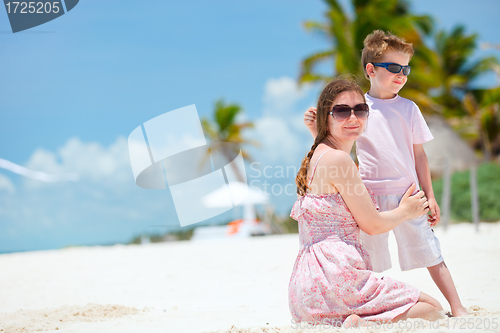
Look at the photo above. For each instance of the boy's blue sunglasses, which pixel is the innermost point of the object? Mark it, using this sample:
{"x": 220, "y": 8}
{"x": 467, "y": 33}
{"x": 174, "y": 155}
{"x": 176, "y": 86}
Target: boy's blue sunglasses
{"x": 392, "y": 67}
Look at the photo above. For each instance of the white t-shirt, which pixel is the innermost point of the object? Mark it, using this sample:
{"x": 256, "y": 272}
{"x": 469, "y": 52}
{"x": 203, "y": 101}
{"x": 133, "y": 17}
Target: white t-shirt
{"x": 385, "y": 149}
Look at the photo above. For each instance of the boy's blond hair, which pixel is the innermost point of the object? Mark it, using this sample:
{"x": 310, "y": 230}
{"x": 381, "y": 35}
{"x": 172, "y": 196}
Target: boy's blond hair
{"x": 378, "y": 43}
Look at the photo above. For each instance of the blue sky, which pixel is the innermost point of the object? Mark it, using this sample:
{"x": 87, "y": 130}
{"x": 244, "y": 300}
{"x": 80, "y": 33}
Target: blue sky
{"x": 74, "y": 88}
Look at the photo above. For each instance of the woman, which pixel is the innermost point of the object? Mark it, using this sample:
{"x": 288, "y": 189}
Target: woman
{"x": 332, "y": 279}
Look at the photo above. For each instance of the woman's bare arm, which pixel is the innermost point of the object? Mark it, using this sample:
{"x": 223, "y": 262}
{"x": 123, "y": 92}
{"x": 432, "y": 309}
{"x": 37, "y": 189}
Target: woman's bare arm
{"x": 344, "y": 175}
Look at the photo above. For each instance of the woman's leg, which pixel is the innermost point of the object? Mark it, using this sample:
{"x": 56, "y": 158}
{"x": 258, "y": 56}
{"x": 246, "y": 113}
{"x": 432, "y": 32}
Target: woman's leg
{"x": 356, "y": 321}
{"x": 427, "y": 308}
{"x": 353, "y": 321}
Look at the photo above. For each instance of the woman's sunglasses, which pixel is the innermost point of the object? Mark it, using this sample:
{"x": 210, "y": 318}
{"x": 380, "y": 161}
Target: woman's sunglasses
{"x": 343, "y": 112}
{"x": 392, "y": 67}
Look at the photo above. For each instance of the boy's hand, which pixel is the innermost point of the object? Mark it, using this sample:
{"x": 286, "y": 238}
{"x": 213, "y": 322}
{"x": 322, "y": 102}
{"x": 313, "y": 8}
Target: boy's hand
{"x": 435, "y": 212}
{"x": 310, "y": 119}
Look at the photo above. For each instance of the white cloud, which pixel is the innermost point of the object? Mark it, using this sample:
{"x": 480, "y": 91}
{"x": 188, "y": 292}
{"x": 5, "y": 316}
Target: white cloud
{"x": 90, "y": 161}
{"x": 6, "y": 185}
{"x": 282, "y": 94}
{"x": 280, "y": 144}
{"x": 45, "y": 161}
{"x": 283, "y": 136}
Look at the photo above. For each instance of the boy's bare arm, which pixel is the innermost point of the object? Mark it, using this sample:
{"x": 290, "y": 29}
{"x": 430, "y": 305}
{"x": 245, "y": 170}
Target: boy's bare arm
{"x": 310, "y": 121}
{"x": 424, "y": 178}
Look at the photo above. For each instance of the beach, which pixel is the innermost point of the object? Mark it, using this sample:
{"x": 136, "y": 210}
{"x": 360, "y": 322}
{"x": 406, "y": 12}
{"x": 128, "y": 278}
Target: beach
{"x": 227, "y": 285}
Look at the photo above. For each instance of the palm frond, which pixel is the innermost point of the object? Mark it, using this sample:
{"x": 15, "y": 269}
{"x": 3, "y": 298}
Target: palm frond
{"x": 480, "y": 66}
{"x": 208, "y": 128}
{"x": 316, "y": 27}
{"x": 308, "y": 65}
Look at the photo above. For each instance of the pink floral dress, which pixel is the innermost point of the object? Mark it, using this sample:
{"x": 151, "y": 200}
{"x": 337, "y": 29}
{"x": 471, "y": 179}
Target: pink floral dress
{"x": 332, "y": 277}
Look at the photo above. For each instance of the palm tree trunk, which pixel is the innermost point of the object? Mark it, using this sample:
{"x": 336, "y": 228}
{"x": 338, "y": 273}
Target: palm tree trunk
{"x": 486, "y": 144}
{"x": 236, "y": 171}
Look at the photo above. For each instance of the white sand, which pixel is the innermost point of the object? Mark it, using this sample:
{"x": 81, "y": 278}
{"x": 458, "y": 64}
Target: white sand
{"x": 228, "y": 286}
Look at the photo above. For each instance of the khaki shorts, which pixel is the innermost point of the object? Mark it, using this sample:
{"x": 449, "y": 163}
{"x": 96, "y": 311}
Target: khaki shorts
{"x": 418, "y": 246}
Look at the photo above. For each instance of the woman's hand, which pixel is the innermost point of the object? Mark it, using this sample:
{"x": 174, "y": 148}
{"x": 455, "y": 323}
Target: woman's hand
{"x": 414, "y": 205}
{"x": 310, "y": 118}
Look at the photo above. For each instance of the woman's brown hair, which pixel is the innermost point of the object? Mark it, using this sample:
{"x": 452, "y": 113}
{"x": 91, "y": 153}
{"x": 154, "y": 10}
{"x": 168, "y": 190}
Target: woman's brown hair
{"x": 325, "y": 104}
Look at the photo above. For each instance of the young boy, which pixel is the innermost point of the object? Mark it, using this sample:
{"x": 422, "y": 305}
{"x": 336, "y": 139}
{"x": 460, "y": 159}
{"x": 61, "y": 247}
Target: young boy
{"x": 391, "y": 158}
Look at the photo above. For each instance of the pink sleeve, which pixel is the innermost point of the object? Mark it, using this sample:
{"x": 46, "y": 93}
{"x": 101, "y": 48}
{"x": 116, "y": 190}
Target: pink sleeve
{"x": 297, "y": 209}
{"x": 421, "y": 132}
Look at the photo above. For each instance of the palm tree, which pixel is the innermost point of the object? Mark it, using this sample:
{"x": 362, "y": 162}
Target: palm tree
{"x": 346, "y": 34}
{"x": 474, "y": 112}
{"x": 483, "y": 106}
{"x": 456, "y": 70}
{"x": 225, "y": 128}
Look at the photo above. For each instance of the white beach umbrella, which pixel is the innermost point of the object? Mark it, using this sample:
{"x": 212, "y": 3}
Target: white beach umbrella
{"x": 241, "y": 194}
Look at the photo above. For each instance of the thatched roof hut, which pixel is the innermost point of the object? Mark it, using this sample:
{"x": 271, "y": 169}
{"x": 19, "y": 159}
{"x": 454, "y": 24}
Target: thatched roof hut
{"x": 447, "y": 146}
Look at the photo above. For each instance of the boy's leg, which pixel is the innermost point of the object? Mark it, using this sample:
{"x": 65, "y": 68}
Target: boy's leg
{"x": 377, "y": 246}
{"x": 418, "y": 247}
{"x": 442, "y": 278}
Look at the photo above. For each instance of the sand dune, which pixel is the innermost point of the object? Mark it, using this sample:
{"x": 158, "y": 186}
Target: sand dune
{"x": 214, "y": 286}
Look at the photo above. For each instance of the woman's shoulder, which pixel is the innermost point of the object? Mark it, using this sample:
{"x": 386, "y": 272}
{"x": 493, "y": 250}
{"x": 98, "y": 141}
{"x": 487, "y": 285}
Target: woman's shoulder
{"x": 337, "y": 157}
{"x": 333, "y": 163}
